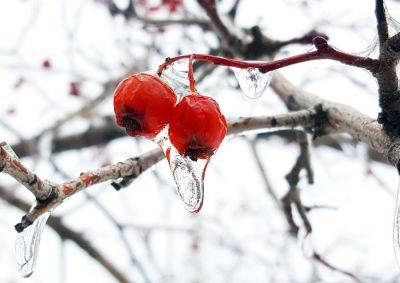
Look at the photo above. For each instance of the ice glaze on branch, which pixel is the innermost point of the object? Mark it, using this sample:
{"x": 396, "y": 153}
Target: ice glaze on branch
{"x": 133, "y": 167}
{"x": 12, "y": 166}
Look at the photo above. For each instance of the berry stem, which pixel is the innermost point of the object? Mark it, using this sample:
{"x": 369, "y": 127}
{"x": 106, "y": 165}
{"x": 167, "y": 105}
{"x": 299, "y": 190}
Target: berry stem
{"x": 324, "y": 51}
{"x": 192, "y": 82}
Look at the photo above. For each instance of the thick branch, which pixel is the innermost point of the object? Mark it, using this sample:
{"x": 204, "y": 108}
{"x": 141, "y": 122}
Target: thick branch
{"x": 381, "y": 22}
{"x": 225, "y": 34}
{"x": 133, "y": 167}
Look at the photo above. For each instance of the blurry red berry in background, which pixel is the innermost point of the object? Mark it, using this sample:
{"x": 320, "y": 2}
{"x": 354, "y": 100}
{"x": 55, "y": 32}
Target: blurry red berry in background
{"x": 197, "y": 126}
{"x": 143, "y": 105}
{"x": 74, "y": 89}
{"x": 46, "y": 64}
{"x": 171, "y": 5}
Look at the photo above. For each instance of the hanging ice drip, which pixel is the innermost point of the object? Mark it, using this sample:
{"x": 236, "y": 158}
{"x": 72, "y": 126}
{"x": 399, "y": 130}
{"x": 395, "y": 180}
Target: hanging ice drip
{"x": 188, "y": 174}
{"x": 27, "y": 246}
{"x": 252, "y": 81}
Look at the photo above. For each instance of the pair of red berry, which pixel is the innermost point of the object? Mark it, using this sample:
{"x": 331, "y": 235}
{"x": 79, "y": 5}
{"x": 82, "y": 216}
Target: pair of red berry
{"x": 144, "y": 105}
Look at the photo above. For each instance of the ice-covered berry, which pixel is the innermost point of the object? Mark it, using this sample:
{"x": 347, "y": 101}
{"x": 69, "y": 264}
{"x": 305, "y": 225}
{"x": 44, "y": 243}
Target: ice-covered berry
{"x": 143, "y": 105}
{"x": 197, "y": 126}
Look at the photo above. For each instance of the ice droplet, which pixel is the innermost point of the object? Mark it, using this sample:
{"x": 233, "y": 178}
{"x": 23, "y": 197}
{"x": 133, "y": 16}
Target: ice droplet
{"x": 188, "y": 174}
{"x": 396, "y": 228}
{"x": 27, "y": 246}
{"x": 252, "y": 81}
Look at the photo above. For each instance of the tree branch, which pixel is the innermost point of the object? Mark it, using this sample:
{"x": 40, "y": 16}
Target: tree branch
{"x": 133, "y": 167}
{"x": 341, "y": 119}
{"x": 382, "y": 26}
{"x": 324, "y": 51}
{"x": 12, "y": 166}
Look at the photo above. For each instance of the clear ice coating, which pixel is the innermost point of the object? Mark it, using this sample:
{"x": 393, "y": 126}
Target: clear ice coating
{"x": 189, "y": 179}
{"x": 9, "y": 150}
{"x": 188, "y": 174}
{"x": 396, "y": 228}
{"x": 371, "y": 50}
{"x": 27, "y": 246}
{"x": 252, "y": 81}
{"x": 176, "y": 76}
{"x": 393, "y": 25}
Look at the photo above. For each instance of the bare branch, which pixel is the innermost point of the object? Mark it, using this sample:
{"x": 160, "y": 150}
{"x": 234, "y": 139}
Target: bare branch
{"x": 302, "y": 162}
{"x": 227, "y": 37}
{"x": 133, "y": 167}
{"x": 341, "y": 119}
{"x": 291, "y": 120}
{"x": 322, "y": 261}
{"x": 167, "y": 22}
{"x": 130, "y": 167}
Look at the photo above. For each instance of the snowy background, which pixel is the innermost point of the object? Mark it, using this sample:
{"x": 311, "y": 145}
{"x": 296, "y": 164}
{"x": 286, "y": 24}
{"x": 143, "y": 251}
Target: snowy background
{"x": 240, "y": 235}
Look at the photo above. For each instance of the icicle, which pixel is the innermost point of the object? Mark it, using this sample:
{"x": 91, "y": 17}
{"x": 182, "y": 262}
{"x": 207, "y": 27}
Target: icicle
{"x": 27, "y": 246}
{"x": 252, "y": 81}
{"x": 188, "y": 174}
{"x": 189, "y": 179}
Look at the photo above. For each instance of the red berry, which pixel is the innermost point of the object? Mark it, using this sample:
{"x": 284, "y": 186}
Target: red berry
{"x": 74, "y": 88}
{"x": 46, "y": 64}
{"x": 172, "y": 5}
{"x": 143, "y": 105}
{"x": 197, "y": 126}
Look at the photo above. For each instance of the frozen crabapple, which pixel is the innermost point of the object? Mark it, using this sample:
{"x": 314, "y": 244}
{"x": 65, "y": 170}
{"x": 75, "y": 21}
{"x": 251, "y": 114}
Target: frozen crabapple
{"x": 143, "y": 104}
{"x": 197, "y": 126}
